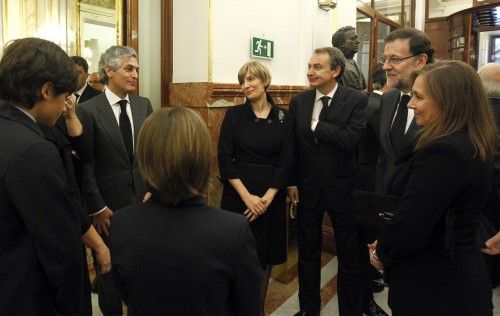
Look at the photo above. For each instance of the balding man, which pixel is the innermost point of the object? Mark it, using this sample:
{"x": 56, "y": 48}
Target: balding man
{"x": 490, "y": 76}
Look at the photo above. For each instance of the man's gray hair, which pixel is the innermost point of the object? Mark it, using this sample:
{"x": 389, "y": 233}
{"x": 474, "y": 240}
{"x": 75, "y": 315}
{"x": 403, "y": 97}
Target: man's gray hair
{"x": 490, "y": 76}
{"x": 113, "y": 58}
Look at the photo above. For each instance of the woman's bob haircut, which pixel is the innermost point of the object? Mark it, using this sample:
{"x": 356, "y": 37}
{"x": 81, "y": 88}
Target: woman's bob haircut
{"x": 174, "y": 154}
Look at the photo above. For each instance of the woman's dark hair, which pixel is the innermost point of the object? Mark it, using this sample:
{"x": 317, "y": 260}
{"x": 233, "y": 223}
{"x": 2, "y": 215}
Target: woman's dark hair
{"x": 27, "y": 64}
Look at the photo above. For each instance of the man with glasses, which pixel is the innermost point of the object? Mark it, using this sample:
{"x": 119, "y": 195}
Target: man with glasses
{"x": 405, "y": 49}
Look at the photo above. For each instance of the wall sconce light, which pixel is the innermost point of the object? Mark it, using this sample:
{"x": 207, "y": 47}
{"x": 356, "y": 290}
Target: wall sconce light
{"x": 327, "y": 4}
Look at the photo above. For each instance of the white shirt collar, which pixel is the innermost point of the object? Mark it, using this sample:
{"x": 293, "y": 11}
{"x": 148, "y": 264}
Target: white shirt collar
{"x": 80, "y": 92}
{"x": 26, "y": 112}
{"x": 330, "y": 94}
{"x": 113, "y": 98}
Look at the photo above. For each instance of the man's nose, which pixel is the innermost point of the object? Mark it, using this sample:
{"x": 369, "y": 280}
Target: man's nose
{"x": 386, "y": 65}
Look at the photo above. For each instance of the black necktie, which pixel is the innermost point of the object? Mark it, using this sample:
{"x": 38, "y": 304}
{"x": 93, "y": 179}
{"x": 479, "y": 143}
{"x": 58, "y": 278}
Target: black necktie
{"x": 324, "y": 100}
{"x": 397, "y": 133}
{"x": 126, "y": 129}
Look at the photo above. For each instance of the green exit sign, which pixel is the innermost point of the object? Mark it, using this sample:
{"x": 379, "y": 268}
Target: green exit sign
{"x": 262, "y": 48}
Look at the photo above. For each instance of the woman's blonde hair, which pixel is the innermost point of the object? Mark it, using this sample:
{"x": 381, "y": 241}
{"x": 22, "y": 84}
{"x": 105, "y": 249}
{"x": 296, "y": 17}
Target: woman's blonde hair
{"x": 457, "y": 90}
{"x": 174, "y": 153}
{"x": 255, "y": 69}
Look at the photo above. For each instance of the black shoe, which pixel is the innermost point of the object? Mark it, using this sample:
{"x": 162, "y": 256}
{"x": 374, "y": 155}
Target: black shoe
{"x": 372, "y": 309}
{"x": 377, "y": 285}
{"x": 300, "y": 313}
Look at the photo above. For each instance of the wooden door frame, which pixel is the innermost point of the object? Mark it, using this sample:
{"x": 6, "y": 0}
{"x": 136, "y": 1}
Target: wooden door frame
{"x": 375, "y": 17}
{"x": 130, "y": 20}
{"x": 166, "y": 50}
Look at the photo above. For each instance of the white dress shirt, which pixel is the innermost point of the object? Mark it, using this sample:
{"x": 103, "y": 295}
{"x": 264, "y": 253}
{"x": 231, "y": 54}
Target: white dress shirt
{"x": 318, "y": 106}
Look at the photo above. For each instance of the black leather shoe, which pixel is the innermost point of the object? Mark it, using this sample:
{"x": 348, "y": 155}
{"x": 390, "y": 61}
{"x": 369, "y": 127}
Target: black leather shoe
{"x": 377, "y": 286}
{"x": 300, "y": 313}
{"x": 372, "y": 309}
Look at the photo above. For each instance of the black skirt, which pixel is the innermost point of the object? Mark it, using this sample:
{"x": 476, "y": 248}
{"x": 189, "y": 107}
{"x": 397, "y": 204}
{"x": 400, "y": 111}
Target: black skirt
{"x": 269, "y": 230}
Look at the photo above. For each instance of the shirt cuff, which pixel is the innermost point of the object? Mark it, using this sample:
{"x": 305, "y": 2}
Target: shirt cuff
{"x": 99, "y": 212}
{"x": 313, "y": 124}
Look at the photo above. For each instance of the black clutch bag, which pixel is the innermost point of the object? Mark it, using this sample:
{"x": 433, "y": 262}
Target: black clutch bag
{"x": 372, "y": 209}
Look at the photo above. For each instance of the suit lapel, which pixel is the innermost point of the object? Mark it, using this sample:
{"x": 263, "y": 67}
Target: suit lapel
{"x": 138, "y": 117}
{"x": 309, "y": 104}
{"x": 336, "y": 105}
{"x": 109, "y": 124}
{"x": 386, "y": 120}
{"x": 410, "y": 133}
{"x": 309, "y": 99}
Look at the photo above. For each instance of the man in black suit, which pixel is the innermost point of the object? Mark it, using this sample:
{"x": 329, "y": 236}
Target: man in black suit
{"x": 329, "y": 120}
{"x": 365, "y": 181}
{"x": 111, "y": 179}
{"x": 490, "y": 76}
{"x": 405, "y": 49}
{"x": 84, "y": 91}
{"x": 41, "y": 269}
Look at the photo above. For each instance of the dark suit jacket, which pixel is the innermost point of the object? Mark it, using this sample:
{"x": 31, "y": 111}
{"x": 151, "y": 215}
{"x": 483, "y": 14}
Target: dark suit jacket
{"x": 387, "y": 156}
{"x": 40, "y": 250}
{"x": 429, "y": 249}
{"x": 492, "y": 210}
{"x": 109, "y": 177}
{"x": 191, "y": 259}
{"x": 326, "y": 158}
{"x": 88, "y": 94}
{"x": 369, "y": 145}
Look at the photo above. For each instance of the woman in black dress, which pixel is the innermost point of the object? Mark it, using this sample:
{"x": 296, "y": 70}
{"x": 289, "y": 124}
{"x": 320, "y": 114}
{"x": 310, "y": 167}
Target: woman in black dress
{"x": 255, "y": 154}
{"x": 429, "y": 247}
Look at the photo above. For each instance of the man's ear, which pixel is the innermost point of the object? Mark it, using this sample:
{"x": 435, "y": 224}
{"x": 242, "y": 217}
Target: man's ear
{"x": 108, "y": 71}
{"x": 336, "y": 72}
{"x": 421, "y": 60}
{"x": 46, "y": 91}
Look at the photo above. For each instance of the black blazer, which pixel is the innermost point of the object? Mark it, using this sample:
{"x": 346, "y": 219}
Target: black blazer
{"x": 429, "y": 248}
{"x": 88, "y": 94}
{"x": 190, "y": 259}
{"x": 387, "y": 156}
{"x": 492, "y": 209}
{"x": 369, "y": 145}
{"x": 325, "y": 160}
{"x": 109, "y": 177}
{"x": 41, "y": 268}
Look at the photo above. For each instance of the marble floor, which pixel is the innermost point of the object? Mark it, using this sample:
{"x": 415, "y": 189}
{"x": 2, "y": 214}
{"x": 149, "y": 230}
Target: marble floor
{"x": 282, "y": 298}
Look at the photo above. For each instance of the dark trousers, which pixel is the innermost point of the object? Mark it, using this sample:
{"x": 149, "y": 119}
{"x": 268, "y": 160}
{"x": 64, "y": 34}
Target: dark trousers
{"x": 110, "y": 300}
{"x": 309, "y": 220}
{"x": 367, "y": 235}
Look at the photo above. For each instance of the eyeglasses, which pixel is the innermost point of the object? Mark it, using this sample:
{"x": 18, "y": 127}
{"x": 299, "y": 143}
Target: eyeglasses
{"x": 393, "y": 60}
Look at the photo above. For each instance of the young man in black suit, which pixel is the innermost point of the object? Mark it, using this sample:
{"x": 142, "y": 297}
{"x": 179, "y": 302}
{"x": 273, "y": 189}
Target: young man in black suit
{"x": 405, "y": 50}
{"x": 111, "y": 177}
{"x": 41, "y": 270}
{"x": 84, "y": 91}
{"x": 329, "y": 120}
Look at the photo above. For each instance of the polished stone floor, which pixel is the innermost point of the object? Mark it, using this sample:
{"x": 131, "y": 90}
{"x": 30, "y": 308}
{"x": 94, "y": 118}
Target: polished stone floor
{"x": 282, "y": 298}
